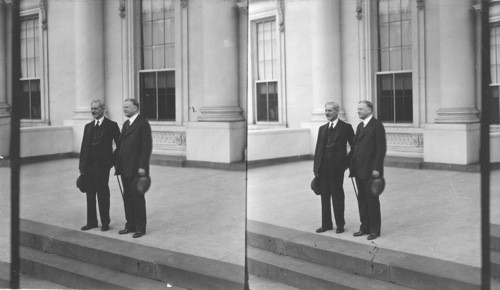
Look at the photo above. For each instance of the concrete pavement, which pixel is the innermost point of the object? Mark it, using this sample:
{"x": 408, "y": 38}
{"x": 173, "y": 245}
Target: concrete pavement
{"x": 426, "y": 212}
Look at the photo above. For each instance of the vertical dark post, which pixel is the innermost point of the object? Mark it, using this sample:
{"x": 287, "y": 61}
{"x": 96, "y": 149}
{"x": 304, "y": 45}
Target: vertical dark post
{"x": 484, "y": 157}
{"x": 15, "y": 145}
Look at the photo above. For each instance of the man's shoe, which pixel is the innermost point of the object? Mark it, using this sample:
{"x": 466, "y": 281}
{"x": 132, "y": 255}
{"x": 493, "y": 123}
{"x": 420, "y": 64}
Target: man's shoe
{"x": 137, "y": 235}
{"x": 322, "y": 230}
{"x": 87, "y": 227}
{"x": 104, "y": 228}
{"x": 372, "y": 237}
{"x": 124, "y": 231}
{"x": 360, "y": 233}
{"x": 339, "y": 230}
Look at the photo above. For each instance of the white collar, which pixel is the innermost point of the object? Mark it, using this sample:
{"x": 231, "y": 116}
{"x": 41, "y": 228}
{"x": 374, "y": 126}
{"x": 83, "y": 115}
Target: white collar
{"x": 132, "y": 119}
{"x": 98, "y": 121}
{"x": 334, "y": 123}
{"x": 366, "y": 120}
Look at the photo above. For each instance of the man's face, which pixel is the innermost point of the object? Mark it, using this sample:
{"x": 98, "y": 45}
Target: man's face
{"x": 331, "y": 113}
{"x": 364, "y": 111}
{"x": 96, "y": 110}
{"x": 129, "y": 109}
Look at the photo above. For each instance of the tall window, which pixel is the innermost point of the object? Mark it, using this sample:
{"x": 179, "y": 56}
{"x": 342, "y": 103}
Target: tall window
{"x": 30, "y": 69}
{"x": 394, "y": 76}
{"x": 157, "y": 75}
{"x": 495, "y": 73}
{"x": 267, "y": 74}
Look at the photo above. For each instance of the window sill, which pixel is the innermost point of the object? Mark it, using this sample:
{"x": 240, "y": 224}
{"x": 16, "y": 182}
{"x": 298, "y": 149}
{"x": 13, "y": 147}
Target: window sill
{"x": 263, "y": 126}
{"x": 34, "y": 123}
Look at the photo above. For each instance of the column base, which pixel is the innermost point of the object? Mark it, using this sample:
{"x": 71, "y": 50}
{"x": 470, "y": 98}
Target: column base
{"x": 452, "y": 143}
{"x": 4, "y": 110}
{"x": 457, "y": 115}
{"x": 4, "y": 136}
{"x": 221, "y": 142}
{"x": 220, "y": 114}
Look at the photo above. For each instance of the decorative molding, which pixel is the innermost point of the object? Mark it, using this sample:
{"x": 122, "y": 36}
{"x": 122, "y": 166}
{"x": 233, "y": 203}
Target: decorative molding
{"x": 169, "y": 138}
{"x": 281, "y": 14}
{"x": 43, "y": 13}
{"x": 183, "y": 3}
{"x": 122, "y": 8}
{"x": 405, "y": 139}
{"x": 359, "y": 9}
{"x": 243, "y": 6}
{"x": 420, "y": 4}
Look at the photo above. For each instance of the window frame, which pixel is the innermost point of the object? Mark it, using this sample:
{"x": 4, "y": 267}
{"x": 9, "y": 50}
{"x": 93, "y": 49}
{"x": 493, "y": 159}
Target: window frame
{"x": 32, "y": 10}
{"x": 254, "y": 20}
{"x": 417, "y": 59}
{"x": 495, "y": 120}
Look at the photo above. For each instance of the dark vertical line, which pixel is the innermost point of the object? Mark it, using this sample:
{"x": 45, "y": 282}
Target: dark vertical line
{"x": 484, "y": 156}
{"x": 15, "y": 146}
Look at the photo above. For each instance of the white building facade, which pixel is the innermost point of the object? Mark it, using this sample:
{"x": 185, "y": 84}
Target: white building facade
{"x": 417, "y": 61}
{"x": 185, "y": 61}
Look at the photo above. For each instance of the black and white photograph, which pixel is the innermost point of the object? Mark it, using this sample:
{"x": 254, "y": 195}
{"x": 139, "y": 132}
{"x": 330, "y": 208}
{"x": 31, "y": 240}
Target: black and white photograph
{"x": 250, "y": 144}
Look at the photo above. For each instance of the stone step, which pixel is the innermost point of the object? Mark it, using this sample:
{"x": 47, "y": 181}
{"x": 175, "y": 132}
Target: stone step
{"x": 495, "y": 264}
{"x": 168, "y": 160}
{"x": 382, "y": 264}
{"x": 25, "y": 281}
{"x": 77, "y": 274}
{"x": 495, "y": 237}
{"x": 176, "y": 268}
{"x": 306, "y": 275}
{"x": 258, "y": 282}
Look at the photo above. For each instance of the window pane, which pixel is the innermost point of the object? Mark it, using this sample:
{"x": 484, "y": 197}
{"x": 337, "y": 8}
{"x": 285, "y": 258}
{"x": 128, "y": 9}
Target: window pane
{"x": 273, "y": 101}
{"x": 157, "y": 8}
{"x": 158, "y": 32}
{"x": 147, "y": 58}
{"x": 394, "y": 11}
{"x": 25, "y": 100}
{"x": 383, "y": 11}
{"x": 406, "y": 57}
{"x": 395, "y": 34}
{"x": 169, "y": 31}
{"x": 35, "y": 99}
{"x": 146, "y": 10}
{"x": 385, "y": 102}
{"x": 266, "y": 51}
{"x": 147, "y": 34}
{"x": 403, "y": 95}
{"x": 166, "y": 96}
{"x": 158, "y": 56}
{"x": 262, "y": 102}
{"x": 170, "y": 56}
{"x": 148, "y": 95}
{"x": 383, "y": 35}
{"x": 395, "y": 59}
{"x": 406, "y": 33}
{"x": 494, "y": 106}
{"x": 405, "y": 10}
{"x": 31, "y": 67}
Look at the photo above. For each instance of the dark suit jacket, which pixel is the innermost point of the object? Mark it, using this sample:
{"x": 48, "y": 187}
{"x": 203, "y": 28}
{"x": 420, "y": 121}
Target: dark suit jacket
{"x": 135, "y": 148}
{"x": 368, "y": 151}
{"x": 103, "y": 150}
{"x": 343, "y": 135}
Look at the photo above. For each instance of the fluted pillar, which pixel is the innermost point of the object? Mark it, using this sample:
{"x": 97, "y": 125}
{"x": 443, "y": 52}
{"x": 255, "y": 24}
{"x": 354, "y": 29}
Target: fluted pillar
{"x": 220, "y": 62}
{"x": 326, "y": 57}
{"x": 89, "y": 55}
{"x": 4, "y": 64}
{"x": 457, "y": 63}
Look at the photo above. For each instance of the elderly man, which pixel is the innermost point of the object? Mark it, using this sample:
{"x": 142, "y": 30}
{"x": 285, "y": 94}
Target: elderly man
{"x": 133, "y": 156}
{"x": 330, "y": 162}
{"x": 96, "y": 159}
{"x": 368, "y": 153}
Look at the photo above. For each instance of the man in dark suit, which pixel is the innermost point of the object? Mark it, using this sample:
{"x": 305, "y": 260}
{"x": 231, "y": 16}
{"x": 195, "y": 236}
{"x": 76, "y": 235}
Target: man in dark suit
{"x": 330, "y": 162}
{"x": 367, "y": 161}
{"x": 96, "y": 159}
{"x": 133, "y": 156}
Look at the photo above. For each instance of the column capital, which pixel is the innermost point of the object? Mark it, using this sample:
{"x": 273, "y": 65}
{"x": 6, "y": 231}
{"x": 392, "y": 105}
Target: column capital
{"x": 220, "y": 114}
{"x": 457, "y": 115}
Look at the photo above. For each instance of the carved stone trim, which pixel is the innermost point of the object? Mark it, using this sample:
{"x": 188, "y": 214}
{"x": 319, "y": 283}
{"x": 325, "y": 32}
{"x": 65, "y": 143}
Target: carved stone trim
{"x": 169, "y": 138}
{"x": 420, "y": 4}
{"x": 281, "y": 14}
{"x": 359, "y": 9}
{"x": 183, "y": 3}
{"x": 43, "y": 13}
{"x": 122, "y": 8}
{"x": 405, "y": 139}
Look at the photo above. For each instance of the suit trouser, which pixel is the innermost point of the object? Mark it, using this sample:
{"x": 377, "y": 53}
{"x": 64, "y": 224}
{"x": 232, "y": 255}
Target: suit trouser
{"x": 97, "y": 182}
{"x": 332, "y": 188}
{"x": 369, "y": 208}
{"x": 135, "y": 206}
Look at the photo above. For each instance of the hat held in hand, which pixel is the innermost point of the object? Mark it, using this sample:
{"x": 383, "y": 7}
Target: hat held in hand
{"x": 80, "y": 183}
{"x": 376, "y": 185}
{"x": 315, "y": 185}
{"x": 142, "y": 184}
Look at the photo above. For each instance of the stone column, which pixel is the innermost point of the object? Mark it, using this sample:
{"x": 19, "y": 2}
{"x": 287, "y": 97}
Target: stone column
{"x": 457, "y": 61}
{"x": 220, "y": 62}
{"x": 89, "y": 63}
{"x": 219, "y": 134}
{"x": 89, "y": 55}
{"x": 5, "y": 64}
{"x": 454, "y": 137}
{"x": 326, "y": 57}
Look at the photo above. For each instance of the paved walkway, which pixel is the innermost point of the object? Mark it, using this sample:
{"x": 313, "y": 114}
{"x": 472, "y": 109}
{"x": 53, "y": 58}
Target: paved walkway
{"x": 190, "y": 210}
{"x": 427, "y": 212}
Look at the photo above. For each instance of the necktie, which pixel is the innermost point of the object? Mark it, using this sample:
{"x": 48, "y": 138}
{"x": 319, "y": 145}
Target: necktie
{"x": 330, "y": 136}
{"x": 126, "y": 125}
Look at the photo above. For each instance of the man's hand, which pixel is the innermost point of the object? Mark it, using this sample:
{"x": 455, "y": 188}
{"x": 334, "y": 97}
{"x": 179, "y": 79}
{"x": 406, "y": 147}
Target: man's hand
{"x": 142, "y": 172}
{"x": 375, "y": 174}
